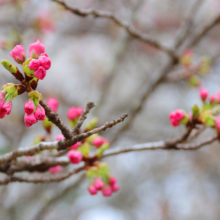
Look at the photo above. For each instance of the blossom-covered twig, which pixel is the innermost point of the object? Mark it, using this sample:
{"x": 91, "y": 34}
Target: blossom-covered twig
{"x": 131, "y": 30}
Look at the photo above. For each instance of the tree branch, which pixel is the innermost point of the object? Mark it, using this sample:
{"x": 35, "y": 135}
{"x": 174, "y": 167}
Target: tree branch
{"x": 131, "y": 30}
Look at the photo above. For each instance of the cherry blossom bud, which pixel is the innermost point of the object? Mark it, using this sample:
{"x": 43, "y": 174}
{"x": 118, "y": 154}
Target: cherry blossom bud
{"x": 53, "y": 103}
{"x": 98, "y": 142}
{"x": 213, "y": 99}
{"x": 18, "y": 53}
{"x": 2, "y": 98}
{"x": 29, "y": 120}
{"x": 98, "y": 183}
{"x": 44, "y": 54}
{"x": 75, "y": 146}
{"x": 203, "y": 94}
{"x": 40, "y": 113}
{"x": 40, "y": 73}
{"x": 55, "y": 169}
{"x": 176, "y": 116}
{"x": 75, "y": 156}
{"x": 3, "y": 112}
{"x": 112, "y": 180}
{"x": 29, "y": 107}
{"x": 45, "y": 62}
{"x": 74, "y": 112}
{"x": 92, "y": 190}
{"x": 106, "y": 190}
{"x": 115, "y": 187}
{"x": 10, "y": 67}
{"x": 36, "y": 49}
{"x": 7, "y": 106}
{"x": 34, "y": 64}
{"x": 59, "y": 137}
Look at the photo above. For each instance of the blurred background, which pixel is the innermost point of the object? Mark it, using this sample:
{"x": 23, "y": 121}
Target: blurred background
{"x": 93, "y": 59}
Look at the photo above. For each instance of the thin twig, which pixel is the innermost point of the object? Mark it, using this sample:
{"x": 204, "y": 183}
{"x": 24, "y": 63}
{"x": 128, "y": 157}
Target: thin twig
{"x": 131, "y": 30}
{"x": 83, "y": 117}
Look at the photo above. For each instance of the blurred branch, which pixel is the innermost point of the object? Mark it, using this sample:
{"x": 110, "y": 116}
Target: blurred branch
{"x": 57, "y": 196}
{"x": 131, "y": 30}
{"x": 187, "y": 23}
{"x": 160, "y": 145}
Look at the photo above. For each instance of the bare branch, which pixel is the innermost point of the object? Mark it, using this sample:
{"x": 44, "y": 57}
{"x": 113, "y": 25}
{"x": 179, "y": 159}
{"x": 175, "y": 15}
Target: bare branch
{"x": 83, "y": 117}
{"x": 131, "y": 30}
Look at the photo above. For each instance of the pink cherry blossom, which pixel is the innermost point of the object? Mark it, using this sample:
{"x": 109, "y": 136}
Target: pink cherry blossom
{"x": 34, "y": 64}
{"x": 40, "y": 113}
{"x": 29, "y": 120}
{"x": 29, "y": 106}
{"x": 7, "y": 106}
{"x": 45, "y": 62}
{"x": 36, "y": 49}
{"x": 92, "y": 190}
{"x": 115, "y": 187}
{"x": 18, "y": 53}
{"x": 75, "y": 156}
{"x": 98, "y": 183}
{"x": 112, "y": 180}
{"x": 55, "y": 169}
{"x": 59, "y": 137}
{"x": 98, "y": 141}
{"x": 106, "y": 190}
{"x": 203, "y": 94}
{"x": 74, "y": 112}
{"x": 176, "y": 116}
{"x": 40, "y": 73}
{"x": 53, "y": 103}
{"x": 75, "y": 146}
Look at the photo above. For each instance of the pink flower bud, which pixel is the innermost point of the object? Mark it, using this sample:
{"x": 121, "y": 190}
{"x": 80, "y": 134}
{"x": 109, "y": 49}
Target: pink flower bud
{"x": 59, "y": 137}
{"x": 29, "y": 120}
{"x": 2, "y": 98}
{"x": 112, "y": 180}
{"x": 18, "y": 53}
{"x": 7, "y": 107}
{"x": 29, "y": 107}
{"x": 212, "y": 99}
{"x": 74, "y": 112}
{"x": 106, "y": 190}
{"x": 40, "y": 73}
{"x": 40, "y": 113}
{"x": 98, "y": 183}
{"x": 44, "y": 54}
{"x": 75, "y": 146}
{"x": 92, "y": 190}
{"x": 3, "y": 112}
{"x": 53, "y": 103}
{"x": 115, "y": 187}
{"x": 34, "y": 64}
{"x": 98, "y": 141}
{"x": 36, "y": 49}
{"x": 45, "y": 62}
{"x": 75, "y": 156}
{"x": 55, "y": 169}
{"x": 203, "y": 94}
{"x": 176, "y": 116}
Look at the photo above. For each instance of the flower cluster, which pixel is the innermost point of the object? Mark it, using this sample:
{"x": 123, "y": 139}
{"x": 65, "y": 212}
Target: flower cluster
{"x": 101, "y": 180}
{"x": 206, "y": 114}
{"x": 194, "y": 69}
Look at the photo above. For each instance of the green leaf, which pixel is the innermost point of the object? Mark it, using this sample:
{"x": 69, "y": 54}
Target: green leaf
{"x": 195, "y": 111}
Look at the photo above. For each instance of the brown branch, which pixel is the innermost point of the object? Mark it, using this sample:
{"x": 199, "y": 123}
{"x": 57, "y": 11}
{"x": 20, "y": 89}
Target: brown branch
{"x": 83, "y": 117}
{"x": 40, "y": 178}
{"x": 59, "y": 145}
{"x": 131, "y": 30}
{"x": 160, "y": 145}
{"x": 187, "y": 23}
{"x": 53, "y": 117}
